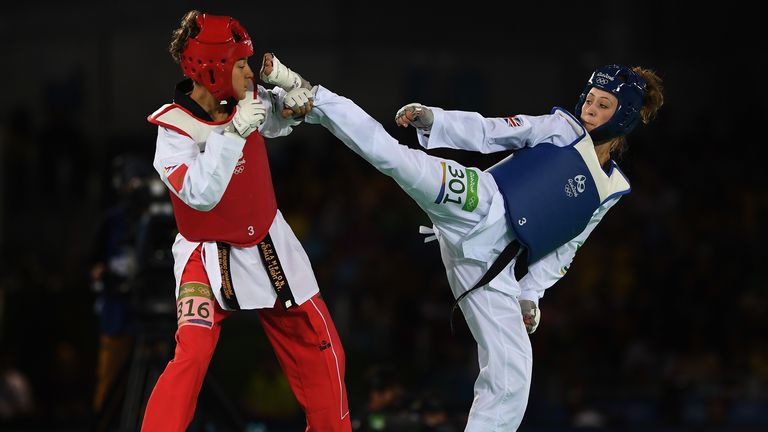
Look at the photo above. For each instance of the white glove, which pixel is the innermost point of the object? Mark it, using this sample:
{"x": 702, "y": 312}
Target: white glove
{"x": 249, "y": 116}
{"x": 531, "y": 315}
{"x": 298, "y": 100}
{"x": 416, "y": 115}
{"x": 282, "y": 76}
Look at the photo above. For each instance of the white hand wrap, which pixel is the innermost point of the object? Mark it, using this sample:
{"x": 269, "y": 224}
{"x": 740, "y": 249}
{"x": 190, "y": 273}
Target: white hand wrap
{"x": 281, "y": 76}
{"x": 249, "y": 116}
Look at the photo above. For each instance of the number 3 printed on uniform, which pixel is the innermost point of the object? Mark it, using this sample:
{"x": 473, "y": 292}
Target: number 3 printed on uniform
{"x": 459, "y": 187}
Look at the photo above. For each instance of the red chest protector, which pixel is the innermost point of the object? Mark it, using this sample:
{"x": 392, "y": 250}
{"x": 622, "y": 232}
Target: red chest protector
{"x": 246, "y": 210}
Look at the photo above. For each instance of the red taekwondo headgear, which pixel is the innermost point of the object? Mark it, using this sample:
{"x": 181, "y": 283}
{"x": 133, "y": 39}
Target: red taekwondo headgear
{"x": 210, "y": 56}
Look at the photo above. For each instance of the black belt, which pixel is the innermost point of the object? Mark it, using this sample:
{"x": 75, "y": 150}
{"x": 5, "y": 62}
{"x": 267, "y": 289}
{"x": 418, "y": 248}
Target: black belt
{"x": 504, "y": 258}
{"x": 271, "y": 265}
{"x": 227, "y": 289}
{"x": 275, "y": 271}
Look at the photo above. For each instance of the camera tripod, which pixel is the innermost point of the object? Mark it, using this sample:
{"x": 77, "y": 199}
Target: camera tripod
{"x": 152, "y": 349}
{"x": 154, "y": 313}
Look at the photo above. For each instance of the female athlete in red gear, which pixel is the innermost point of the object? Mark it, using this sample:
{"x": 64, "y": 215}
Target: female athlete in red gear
{"x": 234, "y": 249}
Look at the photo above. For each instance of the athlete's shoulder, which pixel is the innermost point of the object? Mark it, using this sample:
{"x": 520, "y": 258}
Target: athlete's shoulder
{"x": 568, "y": 118}
{"x": 177, "y": 118}
{"x": 152, "y": 118}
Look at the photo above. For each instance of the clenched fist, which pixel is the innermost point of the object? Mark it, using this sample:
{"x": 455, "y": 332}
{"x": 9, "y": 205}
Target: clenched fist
{"x": 416, "y": 115}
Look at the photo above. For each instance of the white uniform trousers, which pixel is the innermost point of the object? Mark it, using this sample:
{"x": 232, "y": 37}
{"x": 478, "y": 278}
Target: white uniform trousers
{"x": 442, "y": 187}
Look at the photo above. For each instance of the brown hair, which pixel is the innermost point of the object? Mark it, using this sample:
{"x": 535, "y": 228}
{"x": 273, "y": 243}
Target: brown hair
{"x": 187, "y": 29}
{"x": 653, "y": 100}
{"x": 654, "y": 94}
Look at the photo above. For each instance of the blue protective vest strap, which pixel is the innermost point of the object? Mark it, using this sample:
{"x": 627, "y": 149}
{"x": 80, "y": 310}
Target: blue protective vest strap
{"x": 551, "y": 192}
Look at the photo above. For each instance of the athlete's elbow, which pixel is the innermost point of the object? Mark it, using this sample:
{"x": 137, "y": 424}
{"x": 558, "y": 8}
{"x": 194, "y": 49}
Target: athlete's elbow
{"x": 203, "y": 207}
{"x": 204, "y": 204}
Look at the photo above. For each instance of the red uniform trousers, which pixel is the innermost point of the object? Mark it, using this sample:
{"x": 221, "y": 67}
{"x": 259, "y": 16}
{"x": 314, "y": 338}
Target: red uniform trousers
{"x": 306, "y": 345}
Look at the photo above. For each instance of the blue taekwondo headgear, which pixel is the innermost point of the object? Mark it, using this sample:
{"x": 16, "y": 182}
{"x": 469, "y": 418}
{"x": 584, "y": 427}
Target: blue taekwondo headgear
{"x": 628, "y": 87}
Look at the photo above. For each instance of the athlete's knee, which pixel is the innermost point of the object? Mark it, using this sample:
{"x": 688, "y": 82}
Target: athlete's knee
{"x": 194, "y": 344}
{"x": 340, "y": 354}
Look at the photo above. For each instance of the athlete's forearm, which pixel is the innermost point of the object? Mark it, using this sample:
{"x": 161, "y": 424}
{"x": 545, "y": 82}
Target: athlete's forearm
{"x": 199, "y": 179}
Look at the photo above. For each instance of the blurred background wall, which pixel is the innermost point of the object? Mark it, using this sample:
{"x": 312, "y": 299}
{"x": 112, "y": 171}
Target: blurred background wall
{"x": 659, "y": 324}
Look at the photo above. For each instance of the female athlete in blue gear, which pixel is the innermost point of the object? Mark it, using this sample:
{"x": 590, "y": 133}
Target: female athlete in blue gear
{"x": 544, "y": 200}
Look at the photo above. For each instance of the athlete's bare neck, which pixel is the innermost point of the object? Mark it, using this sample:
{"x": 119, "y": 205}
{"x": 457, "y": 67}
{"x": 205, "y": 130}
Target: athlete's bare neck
{"x": 603, "y": 151}
{"x": 205, "y": 99}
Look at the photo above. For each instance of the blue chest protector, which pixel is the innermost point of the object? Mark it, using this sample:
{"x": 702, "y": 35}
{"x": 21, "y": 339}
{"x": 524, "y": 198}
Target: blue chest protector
{"x": 550, "y": 192}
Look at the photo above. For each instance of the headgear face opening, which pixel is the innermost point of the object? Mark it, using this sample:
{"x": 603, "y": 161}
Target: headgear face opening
{"x": 629, "y": 89}
{"x": 210, "y": 56}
